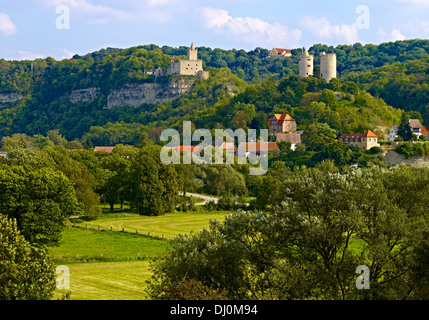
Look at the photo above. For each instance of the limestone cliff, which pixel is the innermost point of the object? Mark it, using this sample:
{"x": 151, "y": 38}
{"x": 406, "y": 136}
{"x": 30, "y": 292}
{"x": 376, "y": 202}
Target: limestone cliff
{"x": 9, "y": 98}
{"x": 134, "y": 95}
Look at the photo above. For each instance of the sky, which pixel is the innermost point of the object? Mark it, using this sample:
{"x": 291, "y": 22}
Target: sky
{"x": 31, "y": 29}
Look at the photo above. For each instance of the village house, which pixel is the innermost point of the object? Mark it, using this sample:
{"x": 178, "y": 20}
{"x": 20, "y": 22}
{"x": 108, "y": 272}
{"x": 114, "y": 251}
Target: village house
{"x": 365, "y": 140}
{"x": 103, "y": 149}
{"x": 255, "y": 147}
{"x": 416, "y": 128}
{"x": 281, "y": 123}
{"x": 279, "y": 53}
{"x": 179, "y": 149}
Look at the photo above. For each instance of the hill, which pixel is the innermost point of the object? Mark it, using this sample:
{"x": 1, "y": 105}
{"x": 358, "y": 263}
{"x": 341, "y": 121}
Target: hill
{"x": 76, "y": 96}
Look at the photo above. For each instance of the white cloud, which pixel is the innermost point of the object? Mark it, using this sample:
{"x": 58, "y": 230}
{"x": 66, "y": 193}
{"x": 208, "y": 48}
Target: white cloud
{"x": 160, "y": 3}
{"x": 247, "y": 29}
{"x": 66, "y": 54}
{"x": 418, "y": 28}
{"x": 394, "y": 35}
{"x": 324, "y": 30}
{"x": 422, "y": 3}
{"x": 7, "y": 27}
{"x": 100, "y": 13}
{"x": 24, "y": 55}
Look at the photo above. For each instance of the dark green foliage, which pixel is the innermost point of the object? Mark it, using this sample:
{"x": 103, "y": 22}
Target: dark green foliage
{"x": 307, "y": 244}
{"x": 41, "y": 201}
{"x": 26, "y": 272}
{"x": 153, "y": 185}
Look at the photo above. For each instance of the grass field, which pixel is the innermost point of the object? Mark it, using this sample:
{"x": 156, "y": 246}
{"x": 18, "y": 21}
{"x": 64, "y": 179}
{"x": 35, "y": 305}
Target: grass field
{"x": 167, "y": 226}
{"x": 114, "y": 265}
{"x": 88, "y": 245}
{"x": 108, "y": 281}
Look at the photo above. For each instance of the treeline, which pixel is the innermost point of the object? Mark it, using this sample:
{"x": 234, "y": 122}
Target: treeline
{"x": 255, "y": 66}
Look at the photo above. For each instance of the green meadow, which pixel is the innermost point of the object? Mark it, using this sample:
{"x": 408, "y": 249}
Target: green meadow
{"x": 106, "y": 263}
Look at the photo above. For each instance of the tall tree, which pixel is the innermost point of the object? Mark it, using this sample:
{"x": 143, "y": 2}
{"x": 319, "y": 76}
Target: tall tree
{"x": 146, "y": 187}
{"x": 26, "y": 272}
{"x": 40, "y": 200}
{"x": 404, "y": 128}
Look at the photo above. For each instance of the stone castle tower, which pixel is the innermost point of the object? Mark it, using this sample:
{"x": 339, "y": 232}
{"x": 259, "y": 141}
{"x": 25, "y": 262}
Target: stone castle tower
{"x": 189, "y": 67}
{"x": 306, "y": 64}
{"x": 328, "y": 66}
{"x": 192, "y": 53}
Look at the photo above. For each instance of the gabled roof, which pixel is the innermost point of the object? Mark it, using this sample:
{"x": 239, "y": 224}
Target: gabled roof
{"x": 280, "y": 118}
{"x": 415, "y": 123}
{"x": 425, "y": 131}
{"x": 369, "y": 134}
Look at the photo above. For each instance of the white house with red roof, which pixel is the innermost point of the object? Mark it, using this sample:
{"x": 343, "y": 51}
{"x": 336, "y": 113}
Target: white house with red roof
{"x": 279, "y": 53}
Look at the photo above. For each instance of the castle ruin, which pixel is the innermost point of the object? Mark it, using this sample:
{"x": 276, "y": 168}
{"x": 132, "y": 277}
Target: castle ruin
{"x": 328, "y": 65}
{"x": 189, "y": 67}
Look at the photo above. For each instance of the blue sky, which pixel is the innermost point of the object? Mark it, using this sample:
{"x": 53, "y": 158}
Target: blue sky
{"x": 31, "y": 29}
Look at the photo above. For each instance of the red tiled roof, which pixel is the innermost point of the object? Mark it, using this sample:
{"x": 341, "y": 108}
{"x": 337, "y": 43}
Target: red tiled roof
{"x": 192, "y": 149}
{"x": 370, "y": 134}
{"x": 282, "y": 51}
{"x": 104, "y": 149}
{"x": 256, "y": 146}
{"x": 366, "y": 134}
{"x": 280, "y": 118}
{"x": 424, "y": 130}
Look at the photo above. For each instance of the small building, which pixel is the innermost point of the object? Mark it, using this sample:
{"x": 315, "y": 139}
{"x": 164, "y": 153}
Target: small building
{"x": 104, "y": 149}
{"x": 415, "y": 125}
{"x": 365, "y": 140}
{"x": 245, "y": 148}
{"x": 279, "y": 53}
{"x": 293, "y": 138}
{"x": 179, "y": 149}
{"x": 281, "y": 123}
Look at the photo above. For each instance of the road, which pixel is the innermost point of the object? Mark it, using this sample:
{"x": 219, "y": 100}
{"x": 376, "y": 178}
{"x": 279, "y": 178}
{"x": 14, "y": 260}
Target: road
{"x": 205, "y": 198}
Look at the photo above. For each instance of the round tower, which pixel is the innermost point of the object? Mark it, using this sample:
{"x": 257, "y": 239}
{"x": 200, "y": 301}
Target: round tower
{"x": 328, "y": 66}
{"x": 306, "y": 62}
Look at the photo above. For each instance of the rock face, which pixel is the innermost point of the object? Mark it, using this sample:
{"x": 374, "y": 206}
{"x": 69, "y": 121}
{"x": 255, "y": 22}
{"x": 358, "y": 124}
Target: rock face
{"x": 84, "y": 95}
{"x": 134, "y": 95}
{"x": 148, "y": 93}
{"x": 9, "y": 98}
